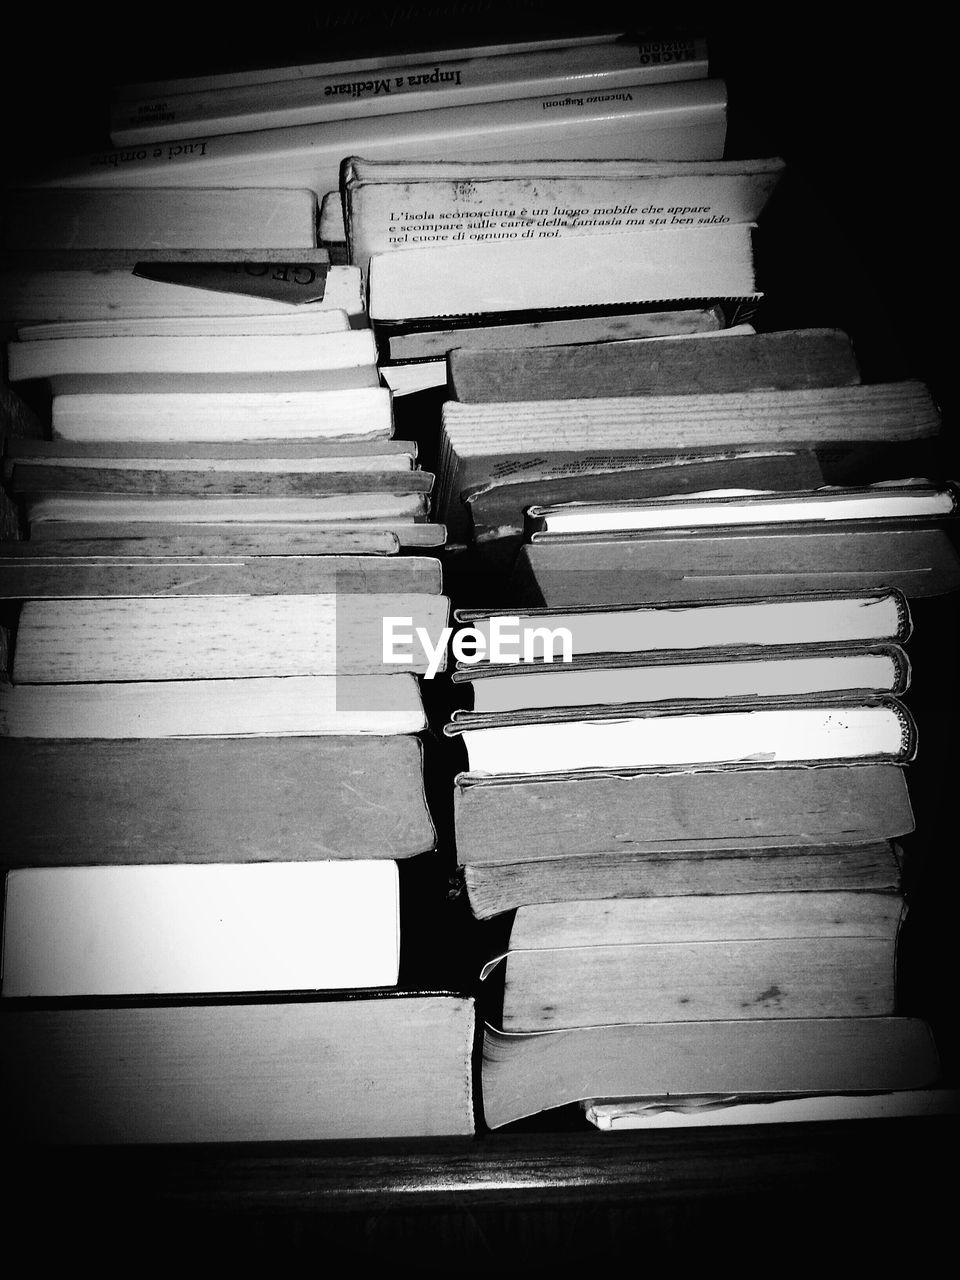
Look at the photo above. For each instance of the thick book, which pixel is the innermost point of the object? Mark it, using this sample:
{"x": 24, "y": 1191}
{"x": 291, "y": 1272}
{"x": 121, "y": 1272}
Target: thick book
{"x": 262, "y": 798}
{"x": 215, "y": 637}
{"x": 492, "y": 889}
{"x": 194, "y": 929}
{"x": 398, "y": 204}
{"x": 727, "y": 956}
{"x": 33, "y": 570}
{"x": 201, "y": 218}
{"x": 680, "y": 735}
{"x": 683, "y": 120}
{"x": 500, "y": 688}
{"x": 405, "y": 86}
{"x": 391, "y": 1064}
{"x": 724, "y": 564}
{"x": 363, "y": 412}
{"x": 804, "y": 619}
{"x": 781, "y": 360}
{"x": 405, "y": 374}
{"x": 525, "y": 1074}
{"x": 482, "y": 442}
{"x": 745, "y": 806}
{"x": 523, "y": 279}
{"x": 259, "y": 706}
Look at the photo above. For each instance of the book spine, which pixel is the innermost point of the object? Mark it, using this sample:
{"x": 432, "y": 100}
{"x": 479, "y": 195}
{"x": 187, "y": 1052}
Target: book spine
{"x": 378, "y": 91}
{"x": 684, "y": 119}
{"x": 309, "y": 70}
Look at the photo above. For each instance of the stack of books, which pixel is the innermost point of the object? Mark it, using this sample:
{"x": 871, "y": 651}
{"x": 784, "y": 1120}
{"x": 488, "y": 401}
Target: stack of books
{"x": 686, "y": 823}
{"x": 691, "y": 825}
{"x": 213, "y": 776}
{"x": 579, "y": 92}
{"x": 224, "y": 580}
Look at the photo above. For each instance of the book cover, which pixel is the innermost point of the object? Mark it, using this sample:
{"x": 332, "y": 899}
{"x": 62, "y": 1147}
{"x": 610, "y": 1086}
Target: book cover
{"x": 525, "y": 1074}
{"x": 200, "y": 929}
{"x": 397, "y": 204}
{"x": 388, "y": 1065}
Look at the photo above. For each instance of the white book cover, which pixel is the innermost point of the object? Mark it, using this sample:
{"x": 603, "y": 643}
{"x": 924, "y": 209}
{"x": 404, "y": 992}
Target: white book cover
{"x": 200, "y": 928}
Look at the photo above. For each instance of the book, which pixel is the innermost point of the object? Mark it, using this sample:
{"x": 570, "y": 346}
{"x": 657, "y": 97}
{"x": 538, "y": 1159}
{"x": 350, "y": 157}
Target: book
{"x": 299, "y": 1069}
{"x": 515, "y": 818}
{"x": 417, "y": 39}
{"x": 492, "y": 889}
{"x": 102, "y": 364}
{"x": 373, "y": 536}
{"x": 292, "y": 320}
{"x": 491, "y": 514}
{"x": 225, "y": 799}
{"x": 489, "y": 688}
{"x": 225, "y": 415}
{"x": 672, "y": 735}
{"x": 524, "y": 1074}
{"x": 698, "y": 958}
{"x": 890, "y": 500}
{"x": 258, "y": 705}
{"x": 38, "y": 570}
{"x": 201, "y": 218}
{"x": 680, "y": 120}
{"x": 435, "y": 344}
{"x": 404, "y": 375}
{"x": 215, "y": 637}
{"x": 205, "y": 543}
{"x": 307, "y": 454}
{"x": 520, "y": 279}
{"x": 480, "y": 442}
{"x": 406, "y": 86}
{"x": 397, "y": 203}
{"x": 707, "y": 1110}
{"x": 39, "y": 292}
{"x": 147, "y": 481}
{"x": 249, "y": 508}
{"x": 782, "y": 360}
{"x": 720, "y": 564}
{"x": 162, "y": 930}
{"x": 805, "y": 619}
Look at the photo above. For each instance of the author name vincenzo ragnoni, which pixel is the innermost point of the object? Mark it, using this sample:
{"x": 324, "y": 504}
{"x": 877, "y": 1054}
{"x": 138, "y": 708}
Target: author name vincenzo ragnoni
{"x": 504, "y": 641}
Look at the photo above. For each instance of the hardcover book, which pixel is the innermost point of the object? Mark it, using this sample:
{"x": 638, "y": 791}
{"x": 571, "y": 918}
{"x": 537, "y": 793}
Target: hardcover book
{"x": 524, "y": 1074}
{"x": 729, "y": 956}
{"x": 391, "y": 1064}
